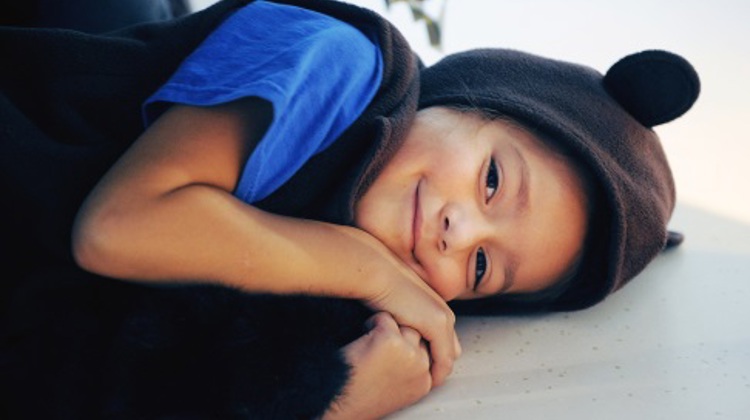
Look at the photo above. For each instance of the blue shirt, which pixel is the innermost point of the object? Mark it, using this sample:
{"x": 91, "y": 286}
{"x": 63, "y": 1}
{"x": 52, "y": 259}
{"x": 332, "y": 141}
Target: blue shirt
{"x": 318, "y": 73}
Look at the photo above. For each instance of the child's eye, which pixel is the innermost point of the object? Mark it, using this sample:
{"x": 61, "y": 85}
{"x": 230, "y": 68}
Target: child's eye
{"x": 493, "y": 180}
{"x": 480, "y": 269}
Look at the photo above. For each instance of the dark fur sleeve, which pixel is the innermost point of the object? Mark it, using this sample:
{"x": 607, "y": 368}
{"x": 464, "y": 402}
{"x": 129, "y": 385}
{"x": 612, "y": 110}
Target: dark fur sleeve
{"x": 229, "y": 355}
{"x": 83, "y": 346}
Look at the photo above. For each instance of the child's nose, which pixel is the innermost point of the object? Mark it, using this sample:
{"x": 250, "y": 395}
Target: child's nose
{"x": 461, "y": 228}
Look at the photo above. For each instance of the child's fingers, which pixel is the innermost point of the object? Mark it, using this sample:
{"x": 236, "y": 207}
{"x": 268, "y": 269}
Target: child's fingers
{"x": 411, "y": 336}
{"x": 442, "y": 365}
{"x": 419, "y": 347}
{"x": 381, "y": 320}
{"x": 443, "y": 351}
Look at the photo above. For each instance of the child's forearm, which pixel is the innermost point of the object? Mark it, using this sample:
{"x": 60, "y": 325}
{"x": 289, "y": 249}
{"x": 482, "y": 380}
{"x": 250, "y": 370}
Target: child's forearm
{"x": 202, "y": 233}
{"x": 164, "y": 213}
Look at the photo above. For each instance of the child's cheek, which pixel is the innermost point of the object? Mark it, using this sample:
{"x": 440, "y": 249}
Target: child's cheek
{"x": 448, "y": 283}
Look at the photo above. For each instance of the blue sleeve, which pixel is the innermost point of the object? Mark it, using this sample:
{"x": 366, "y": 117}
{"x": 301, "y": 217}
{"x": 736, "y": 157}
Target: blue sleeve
{"x": 318, "y": 73}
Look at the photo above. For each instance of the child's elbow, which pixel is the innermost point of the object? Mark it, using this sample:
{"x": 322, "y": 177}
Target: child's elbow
{"x": 91, "y": 243}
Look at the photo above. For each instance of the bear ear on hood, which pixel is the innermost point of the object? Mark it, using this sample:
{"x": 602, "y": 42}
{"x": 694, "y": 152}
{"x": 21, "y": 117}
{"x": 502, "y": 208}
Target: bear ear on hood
{"x": 654, "y": 86}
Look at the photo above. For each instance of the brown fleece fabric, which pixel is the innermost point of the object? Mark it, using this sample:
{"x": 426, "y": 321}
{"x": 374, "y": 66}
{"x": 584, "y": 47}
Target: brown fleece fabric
{"x": 604, "y": 122}
{"x": 328, "y": 186}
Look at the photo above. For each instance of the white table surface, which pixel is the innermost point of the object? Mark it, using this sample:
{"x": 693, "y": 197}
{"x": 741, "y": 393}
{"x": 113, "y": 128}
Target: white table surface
{"x": 675, "y": 343}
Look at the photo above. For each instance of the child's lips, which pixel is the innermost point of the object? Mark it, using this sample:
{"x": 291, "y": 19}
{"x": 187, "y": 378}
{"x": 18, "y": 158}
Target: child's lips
{"x": 416, "y": 235}
{"x": 416, "y": 224}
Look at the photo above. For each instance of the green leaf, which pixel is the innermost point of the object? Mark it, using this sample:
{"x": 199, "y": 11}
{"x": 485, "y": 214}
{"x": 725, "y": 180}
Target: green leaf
{"x": 434, "y": 31}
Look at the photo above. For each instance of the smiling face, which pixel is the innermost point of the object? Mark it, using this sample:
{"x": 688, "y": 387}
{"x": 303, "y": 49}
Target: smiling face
{"x": 477, "y": 207}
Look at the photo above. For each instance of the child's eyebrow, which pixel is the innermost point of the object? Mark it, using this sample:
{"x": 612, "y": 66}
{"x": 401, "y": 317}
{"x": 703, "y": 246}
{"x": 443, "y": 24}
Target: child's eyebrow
{"x": 522, "y": 195}
{"x": 522, "y": 206}
{"x": 511, "y": 266}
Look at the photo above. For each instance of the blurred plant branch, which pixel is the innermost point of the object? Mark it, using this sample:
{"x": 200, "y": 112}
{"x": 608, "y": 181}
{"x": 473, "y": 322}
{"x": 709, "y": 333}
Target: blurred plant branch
{"x": 434, "y": 24}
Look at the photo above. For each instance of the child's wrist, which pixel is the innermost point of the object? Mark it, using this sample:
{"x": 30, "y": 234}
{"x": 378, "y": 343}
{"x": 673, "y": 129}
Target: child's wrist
{"x": 371, "y": 271}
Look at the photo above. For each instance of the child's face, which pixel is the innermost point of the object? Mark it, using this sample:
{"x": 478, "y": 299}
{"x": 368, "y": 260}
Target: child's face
{"x": 465, "y": 198}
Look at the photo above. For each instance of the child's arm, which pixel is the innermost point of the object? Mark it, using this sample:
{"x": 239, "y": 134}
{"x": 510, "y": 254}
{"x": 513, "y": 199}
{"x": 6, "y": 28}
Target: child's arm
{"x": 165, "y": 213}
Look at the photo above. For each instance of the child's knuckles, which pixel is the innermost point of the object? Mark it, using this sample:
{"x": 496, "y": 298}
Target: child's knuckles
{"x": 440, "y": 372}
{"x": 393, "y": 344}
{"x": 451, "y": 318}
{"x": 373, "y": 321}
{"x": 419, "y": 387}
{"x": 386, "y": 332}
{"x": 384, "y": 320}
{"x": 442, "y": 321}
{"x": 424, "y": 361}
{"x": 416, "y": 360}
{"x": 446, "y": 314}
{"x": 425, "y": 384}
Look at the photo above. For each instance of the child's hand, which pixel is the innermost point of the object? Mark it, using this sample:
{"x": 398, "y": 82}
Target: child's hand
{"x": 413, "y": 304}
{"x": 395, "y": 288}
{"x": 390, "y": 370}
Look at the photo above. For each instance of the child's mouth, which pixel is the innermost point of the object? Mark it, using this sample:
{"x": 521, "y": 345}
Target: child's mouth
{"x": 416, "y": 224}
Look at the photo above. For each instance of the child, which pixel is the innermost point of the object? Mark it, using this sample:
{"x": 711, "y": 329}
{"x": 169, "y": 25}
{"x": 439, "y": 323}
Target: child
{"x": 471, "y": 179}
